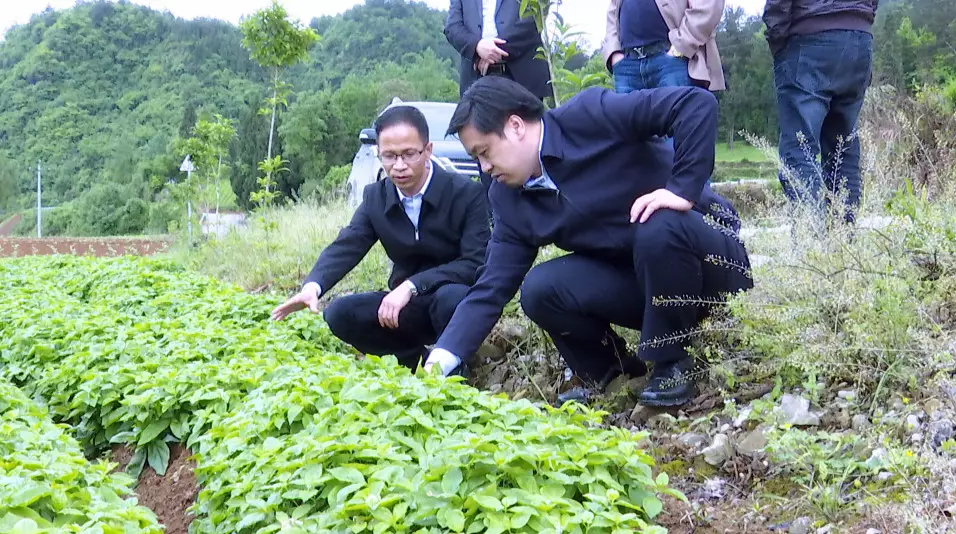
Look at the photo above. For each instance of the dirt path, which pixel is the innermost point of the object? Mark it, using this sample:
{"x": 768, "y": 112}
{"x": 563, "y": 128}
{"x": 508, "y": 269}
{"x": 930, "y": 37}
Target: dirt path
{"x": 6, "y": 228}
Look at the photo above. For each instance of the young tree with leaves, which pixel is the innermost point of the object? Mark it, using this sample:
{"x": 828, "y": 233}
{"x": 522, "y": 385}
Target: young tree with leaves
{"x": 206, "y": 148}
{"x": 275, "y": 43}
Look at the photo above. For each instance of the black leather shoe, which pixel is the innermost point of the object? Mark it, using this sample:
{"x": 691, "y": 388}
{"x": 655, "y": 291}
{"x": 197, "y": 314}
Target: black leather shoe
{"x": 633, "y": 367}
{"x": 581, "y": 395}
{"x": 669, "y": 385}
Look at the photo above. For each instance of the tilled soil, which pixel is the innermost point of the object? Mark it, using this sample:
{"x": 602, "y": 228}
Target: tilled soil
{"x": 168, "y": 496}
{"x": 15, "y": 247}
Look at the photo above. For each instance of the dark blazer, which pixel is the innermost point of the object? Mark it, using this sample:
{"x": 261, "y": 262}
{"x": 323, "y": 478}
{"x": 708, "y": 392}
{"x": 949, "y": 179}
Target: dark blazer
{"x": 453, "y": 231}
{"x": 463, "y": 30}
{"x": 602, "y": 151}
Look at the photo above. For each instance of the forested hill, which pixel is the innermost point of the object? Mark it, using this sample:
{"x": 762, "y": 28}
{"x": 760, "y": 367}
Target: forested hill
{"x": 99, "y": 93}
{"x": 104, "y": 93}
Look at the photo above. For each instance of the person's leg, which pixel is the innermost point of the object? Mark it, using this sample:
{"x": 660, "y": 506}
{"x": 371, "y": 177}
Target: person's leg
{"x": 682, "y": 262}
{"x": 803, "y": 99}
{"x": 443, "y": 303}
{"x": 839, "y": 142}
{"x": 575, "y": 299}
{"x": 354, "y": 320}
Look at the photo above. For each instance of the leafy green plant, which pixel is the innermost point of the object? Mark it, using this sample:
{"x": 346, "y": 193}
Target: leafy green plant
{"x": 837, "y": 469}
{"x": 46, "y": 485}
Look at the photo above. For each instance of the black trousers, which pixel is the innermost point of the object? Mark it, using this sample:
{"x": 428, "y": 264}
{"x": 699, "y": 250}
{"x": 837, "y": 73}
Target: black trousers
{"x": 675, "y": 255}
{"x": 354, "y": 320}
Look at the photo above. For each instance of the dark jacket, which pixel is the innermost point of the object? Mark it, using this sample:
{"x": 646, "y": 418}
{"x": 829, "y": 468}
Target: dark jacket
{"x": 800, "y": 17}
{"x": 602, "y": 151}
{"x": 453, "y": 233}
{"x": 463, "y": 30}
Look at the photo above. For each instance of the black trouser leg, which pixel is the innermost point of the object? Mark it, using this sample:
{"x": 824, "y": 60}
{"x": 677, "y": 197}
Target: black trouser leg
{"x": 681, "y": 257}
{"x": 442, "y": 305}
{"x": 354, "y": 320}
{"x": 575, "y": 299}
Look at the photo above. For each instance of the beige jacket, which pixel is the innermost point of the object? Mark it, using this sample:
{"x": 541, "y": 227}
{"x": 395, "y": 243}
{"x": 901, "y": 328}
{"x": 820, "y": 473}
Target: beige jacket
{"x": 693, "y": 27}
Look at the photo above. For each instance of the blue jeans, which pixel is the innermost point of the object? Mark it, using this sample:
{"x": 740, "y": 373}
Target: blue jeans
{"x": 820, "y": 81}
{"x": 660, "y": 70}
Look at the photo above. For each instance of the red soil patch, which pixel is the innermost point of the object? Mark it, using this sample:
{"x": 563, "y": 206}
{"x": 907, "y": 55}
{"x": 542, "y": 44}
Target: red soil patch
{"x": 167, "y": 496}
{"x": 14, "y": 247}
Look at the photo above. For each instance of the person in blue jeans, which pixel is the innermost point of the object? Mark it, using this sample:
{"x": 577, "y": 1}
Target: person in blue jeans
{"x": 822, "y": 65}
{"x": 663, "y": 43}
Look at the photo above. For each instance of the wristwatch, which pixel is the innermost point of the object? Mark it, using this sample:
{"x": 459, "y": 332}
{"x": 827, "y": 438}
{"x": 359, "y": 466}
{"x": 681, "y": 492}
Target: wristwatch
{"x": 412, "y": 289}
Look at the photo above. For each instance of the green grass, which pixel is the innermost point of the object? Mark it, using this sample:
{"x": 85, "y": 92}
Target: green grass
{"x": 741, "y": 152}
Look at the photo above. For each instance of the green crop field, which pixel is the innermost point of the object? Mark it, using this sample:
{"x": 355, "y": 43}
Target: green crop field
{"x": 290, "y": 431}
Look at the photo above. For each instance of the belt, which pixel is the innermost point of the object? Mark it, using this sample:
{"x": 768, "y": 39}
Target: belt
{"x": 648, "y": 50}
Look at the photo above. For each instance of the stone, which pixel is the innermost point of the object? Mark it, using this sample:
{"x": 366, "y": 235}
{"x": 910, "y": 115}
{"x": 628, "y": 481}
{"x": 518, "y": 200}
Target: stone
{"x": 827, "y": 529}
{"x": 719, "y": 451}
{"x": 752, "y": 442}
{"x": 912, "y": 422}
{"x": 847, "y": 395}
{"x": 932, "y": 406}
{"x": 796, "y": 411}
{"x": 693, "y": 440}
{"x": 800, "y": 526}
{"x": 490, "y": 353}
{"x": 940, "y": 431}
{"x": 860, "y": 422}
{"x": 743, "y": 416}
{"x": 883, "y": 476}
{"x": 640, "y": 414}
{"x": 713, "y": 488}
{"x": 662, "y": 421}
{"x": 873, "y": 531}
{"x": 617, "y": 385}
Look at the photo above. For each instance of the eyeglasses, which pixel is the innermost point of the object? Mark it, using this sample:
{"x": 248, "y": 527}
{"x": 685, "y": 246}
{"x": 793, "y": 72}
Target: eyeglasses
{"x": 410, "y": 157}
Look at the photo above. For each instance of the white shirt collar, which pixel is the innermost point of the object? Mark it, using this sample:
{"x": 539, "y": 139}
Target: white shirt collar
{"x": 428, "y": 180}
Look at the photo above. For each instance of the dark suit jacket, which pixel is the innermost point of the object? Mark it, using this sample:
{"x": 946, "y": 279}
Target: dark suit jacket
{"x": 602, "y": 151}
{"x": 463, "y": 30}
{"x": 453, "y": 233}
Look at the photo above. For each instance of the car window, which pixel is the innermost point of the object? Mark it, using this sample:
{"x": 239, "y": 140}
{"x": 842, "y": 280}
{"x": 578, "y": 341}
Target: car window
{"x": 438, "y": 118}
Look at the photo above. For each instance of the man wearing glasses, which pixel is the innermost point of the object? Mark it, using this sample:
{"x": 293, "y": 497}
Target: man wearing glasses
{"x": 434, "y": 227}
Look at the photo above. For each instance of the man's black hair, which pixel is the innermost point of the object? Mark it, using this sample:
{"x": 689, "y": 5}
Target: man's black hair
{"x": 409, "y": 115}
{"x": 488, "y": 103}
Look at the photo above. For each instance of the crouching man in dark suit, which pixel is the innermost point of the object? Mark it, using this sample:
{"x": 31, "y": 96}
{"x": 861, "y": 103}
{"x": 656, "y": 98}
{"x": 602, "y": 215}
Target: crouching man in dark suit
{"x": 596, "y": 177}
{"x": 434, "y": 227}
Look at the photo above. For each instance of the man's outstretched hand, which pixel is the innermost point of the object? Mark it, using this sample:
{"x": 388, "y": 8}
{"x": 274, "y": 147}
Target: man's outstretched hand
{"x": 392, "y": 305}
{"x": 308, "y": 297}
{"x": 646, "y": 205}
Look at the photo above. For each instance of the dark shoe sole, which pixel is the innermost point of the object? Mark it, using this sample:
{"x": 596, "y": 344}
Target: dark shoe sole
{"x": 667, "y": 402}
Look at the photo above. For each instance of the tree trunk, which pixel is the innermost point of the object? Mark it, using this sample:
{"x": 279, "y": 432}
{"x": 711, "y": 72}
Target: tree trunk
{"x": 546, "y": 40}
{"x": 730, "y": 142}
{"x": 272, "y": 125}
{"x": 218, "y": 180}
